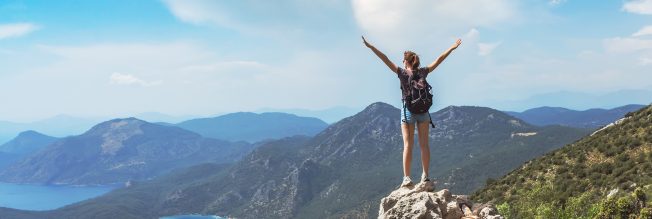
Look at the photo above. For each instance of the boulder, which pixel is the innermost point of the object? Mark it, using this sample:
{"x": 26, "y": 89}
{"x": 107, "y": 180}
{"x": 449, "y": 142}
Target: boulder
{"x": 421, "y": 201}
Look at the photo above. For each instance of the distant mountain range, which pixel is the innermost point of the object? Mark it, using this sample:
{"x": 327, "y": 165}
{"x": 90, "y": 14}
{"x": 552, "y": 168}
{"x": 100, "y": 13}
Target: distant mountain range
{"x": 58, "y": 126}
{"x": 591, "y": 118}
{"x": 24, "y": 144}
{"x": 271, "y": 125}
{"x": 116, "y": 151}
{"x": 253, "y": 127}
{"x": 330, "y": 115}
{"x": 578, "y": 100}
{"x": 605, "y": 175}
{"x": 341, "y": 172}
{"x": 27, "y": 142}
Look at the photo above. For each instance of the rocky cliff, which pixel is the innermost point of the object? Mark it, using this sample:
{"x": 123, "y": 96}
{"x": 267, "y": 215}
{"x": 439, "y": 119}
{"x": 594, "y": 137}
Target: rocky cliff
{"x": 420, "y": 201}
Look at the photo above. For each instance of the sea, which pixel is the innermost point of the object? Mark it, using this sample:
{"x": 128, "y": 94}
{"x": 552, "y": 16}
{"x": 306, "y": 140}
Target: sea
{"x": 46, "y": 197}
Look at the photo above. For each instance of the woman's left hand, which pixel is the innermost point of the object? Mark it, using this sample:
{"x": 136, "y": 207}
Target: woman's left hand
{"x": 365, "y": 42}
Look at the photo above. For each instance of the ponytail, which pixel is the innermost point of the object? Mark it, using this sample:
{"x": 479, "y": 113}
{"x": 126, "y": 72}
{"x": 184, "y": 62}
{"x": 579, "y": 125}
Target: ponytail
{"x": 412, "y": 59}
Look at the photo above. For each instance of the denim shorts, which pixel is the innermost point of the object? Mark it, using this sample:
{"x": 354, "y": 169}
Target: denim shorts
{"x": 413, "y": 118}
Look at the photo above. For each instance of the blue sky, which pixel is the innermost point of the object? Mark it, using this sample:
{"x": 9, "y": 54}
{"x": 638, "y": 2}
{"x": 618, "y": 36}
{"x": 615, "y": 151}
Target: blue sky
{"x": 204, "y": 57}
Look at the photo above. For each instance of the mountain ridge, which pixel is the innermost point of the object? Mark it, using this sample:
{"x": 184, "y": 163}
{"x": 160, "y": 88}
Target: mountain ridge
{"x": 238, "y": 126}
{"x": 117, "y": 151}
{"x": 27, "y": 142}
{"x": 341, "y": 172}
{"x": 590, "y": 118}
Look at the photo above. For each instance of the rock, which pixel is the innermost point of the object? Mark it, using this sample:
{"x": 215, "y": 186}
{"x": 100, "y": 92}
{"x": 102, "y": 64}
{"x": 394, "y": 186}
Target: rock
{"x": 612, "y": 193}
{"x": 489, "y": 212}
{"x": 420, "y": 201}
{"x": 453, "y": 211}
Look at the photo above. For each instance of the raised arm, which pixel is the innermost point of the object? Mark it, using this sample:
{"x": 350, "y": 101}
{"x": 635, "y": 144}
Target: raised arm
{"x": 382, "y": 56}
{"x": 443, "y": 56}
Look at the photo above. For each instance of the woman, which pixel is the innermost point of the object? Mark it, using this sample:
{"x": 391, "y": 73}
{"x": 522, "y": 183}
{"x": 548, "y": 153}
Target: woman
{"x": 408, "y": 121}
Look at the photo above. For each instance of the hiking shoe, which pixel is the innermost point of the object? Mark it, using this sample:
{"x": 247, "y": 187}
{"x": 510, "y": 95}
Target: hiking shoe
{"x": 424, "y": 178}
{"x": 406, "y": 181}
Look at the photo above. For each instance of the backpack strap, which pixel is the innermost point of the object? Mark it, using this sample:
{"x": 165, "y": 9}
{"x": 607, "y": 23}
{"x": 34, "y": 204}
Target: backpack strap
{"x": 432, "y": 124}
{"x": 404, "y": 113}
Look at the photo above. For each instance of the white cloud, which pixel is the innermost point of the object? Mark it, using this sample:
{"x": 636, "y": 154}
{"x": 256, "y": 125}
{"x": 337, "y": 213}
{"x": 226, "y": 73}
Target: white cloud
{"x": 647, "y": 30}
{"x": 16, "y": 30}
{"x": 245, "y": 66}
{"x": 485, "y": 49}
{"x": 556, "y": 2}
{"x": 261, "y": 18}
{"x": 472, "y": 34}
{"x": 645, "y": 61}
{"x": 539, "y": 75}
{"x": 199, "y": 12}
{"x": 409, "y": 22}
{"x": 626, "y": 45}
{"x": 181, "y": 78}
{"x": 127, "y": 79}
{"x": 638, "y": 6}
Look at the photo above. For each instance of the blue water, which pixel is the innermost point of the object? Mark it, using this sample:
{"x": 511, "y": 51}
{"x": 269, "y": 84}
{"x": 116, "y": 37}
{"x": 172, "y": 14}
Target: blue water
{"x": 42, "y": 197}
{"x": 193, "y": 216}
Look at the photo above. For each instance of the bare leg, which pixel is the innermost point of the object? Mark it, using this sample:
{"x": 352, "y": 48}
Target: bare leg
{"x": 408, "y": 141}
{"x": 425, "y": 149}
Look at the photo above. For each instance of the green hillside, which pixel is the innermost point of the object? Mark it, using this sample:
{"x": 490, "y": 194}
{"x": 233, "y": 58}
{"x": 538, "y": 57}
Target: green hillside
{"x": 574, "y": 181}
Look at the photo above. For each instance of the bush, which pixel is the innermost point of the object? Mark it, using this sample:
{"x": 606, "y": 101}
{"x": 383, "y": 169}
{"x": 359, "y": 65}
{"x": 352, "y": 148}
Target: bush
{"x": 625, "y": 206}
{"x": 646, "y": 213}
{"x": 579, "y": 207}
{"x": 581, "y": 158}
{"x": 546, "y": 210}
{"x": 607, "y": 208}
{"x": 639, "y": 194}
{"x": 503, "y": 209}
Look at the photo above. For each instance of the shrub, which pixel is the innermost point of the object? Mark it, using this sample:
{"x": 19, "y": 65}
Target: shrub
{"x": 546, "y": 210}
{"x": 625, "y": 206}
{"x": 646, "y": 213}
{"x": 581, "y": 158}
{"x": 639, "y": 194}
{"x": 503, "y": 209}
{"x": 607, "y": 208}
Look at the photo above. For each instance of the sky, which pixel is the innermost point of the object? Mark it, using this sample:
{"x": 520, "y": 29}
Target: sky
{"x": 206, "y": 57}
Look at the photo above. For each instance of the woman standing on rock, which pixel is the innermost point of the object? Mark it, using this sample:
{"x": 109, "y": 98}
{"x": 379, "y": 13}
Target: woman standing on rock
{"x": 412, "y": 79}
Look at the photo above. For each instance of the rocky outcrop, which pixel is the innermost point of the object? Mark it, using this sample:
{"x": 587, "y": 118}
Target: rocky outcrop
{"x": 420, "y": 201}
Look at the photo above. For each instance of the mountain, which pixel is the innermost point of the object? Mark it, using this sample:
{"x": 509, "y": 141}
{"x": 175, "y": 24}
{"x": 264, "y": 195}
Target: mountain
{"x": 592, "y": 118}
{"x": 156, "y": 117}
{"x": 6, "y": 159}
{"x": 27, "y": 142}
{"x": 252, "y": 127}
{"x": 24, "y": 144}
{"x": 58, "y": 126}
{"x": 119, "y": 150}
{"x": 329, "y": 115}
{"x": 592, "y": 177}
{"x": 341, "y": 172}
{"x": 577, "y": 100}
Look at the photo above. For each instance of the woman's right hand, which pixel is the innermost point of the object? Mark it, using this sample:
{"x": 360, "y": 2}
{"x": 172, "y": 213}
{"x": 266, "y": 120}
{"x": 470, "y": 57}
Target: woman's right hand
{"x": 456, "y": 44}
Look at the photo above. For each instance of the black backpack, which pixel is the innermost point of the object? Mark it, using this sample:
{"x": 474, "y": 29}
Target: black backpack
{"x": 419, "y": 98}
